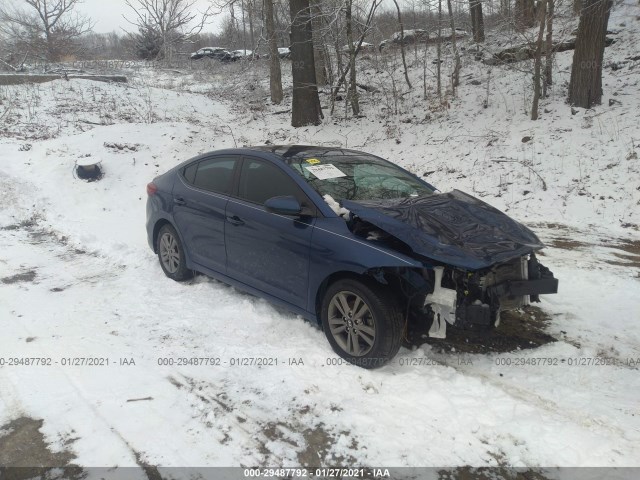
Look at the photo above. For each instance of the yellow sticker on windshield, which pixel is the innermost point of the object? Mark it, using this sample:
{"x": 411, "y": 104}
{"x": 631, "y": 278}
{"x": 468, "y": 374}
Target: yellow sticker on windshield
{"x": 312, "y": 161}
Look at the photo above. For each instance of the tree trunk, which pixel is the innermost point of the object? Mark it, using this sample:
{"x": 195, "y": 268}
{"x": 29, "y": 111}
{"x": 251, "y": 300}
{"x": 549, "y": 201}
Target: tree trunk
{"x": 455, "y": 76}
{"x": 341, "y": 70}
{"x": 335, "y": 87}
{"x": 577, "y": 6}
{"x": 404, "y": 60}
{"x": 352, "y": 91}
{"x": 530, "y": 13}
{"x": 477, "y": 20}
{"x": 548, "y": 65}
{"x": 585, "y": 86}
{"x": 439, "y": 52}
{"x": 244, "y": 29}
{"x": 505, "y": 7}
{"x": 328, "y": 63}
{"x": 305, "y": 107}
{"x": 319, "y": 50}
{"x": 524, "y": 14}
{"x": 472, "y": 14}
{"x": 538, "y": 60}
{"x": 275, "y": 76}
{"x": 234, "y": 23}
{"x": 251, "y": 34}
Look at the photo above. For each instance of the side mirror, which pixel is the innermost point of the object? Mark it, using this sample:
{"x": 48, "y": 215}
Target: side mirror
{"x": 285, "y": 205}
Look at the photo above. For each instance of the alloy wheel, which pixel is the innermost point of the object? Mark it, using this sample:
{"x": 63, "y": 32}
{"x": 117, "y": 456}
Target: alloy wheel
{"x": 169, "y": 252}
{"x": 351, "y": 323}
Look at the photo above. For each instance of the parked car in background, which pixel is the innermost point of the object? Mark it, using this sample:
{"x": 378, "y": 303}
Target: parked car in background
{"x": 345, "y": 239}
{"x": 284, "y": 52}
{"x": 218, "y": 53}
{"x": 364, "y": 46}
{"x": 244, "y": 55}
{"x": 418, "y": 35}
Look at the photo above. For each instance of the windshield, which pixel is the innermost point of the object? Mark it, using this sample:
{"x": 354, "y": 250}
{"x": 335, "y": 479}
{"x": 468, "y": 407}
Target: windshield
{"x": 358, "y": 177}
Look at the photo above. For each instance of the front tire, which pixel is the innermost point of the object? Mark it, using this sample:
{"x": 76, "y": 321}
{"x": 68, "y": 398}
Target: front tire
{"x": 171, "y": 254}
{"x": 362, "y": 321}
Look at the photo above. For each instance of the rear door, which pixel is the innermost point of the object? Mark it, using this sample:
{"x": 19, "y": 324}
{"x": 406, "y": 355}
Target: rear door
{"x": 267, "y": 251}
{"x": 200, "y": 197}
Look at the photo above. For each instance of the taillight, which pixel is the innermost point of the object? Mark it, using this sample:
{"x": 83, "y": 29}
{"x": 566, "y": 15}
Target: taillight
{"x": 152, "y": 188}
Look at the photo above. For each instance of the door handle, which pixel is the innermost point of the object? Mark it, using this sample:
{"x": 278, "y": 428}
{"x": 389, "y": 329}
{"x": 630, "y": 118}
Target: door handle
{"x": 235, "y": 220}
{"x": 179, "y": 201}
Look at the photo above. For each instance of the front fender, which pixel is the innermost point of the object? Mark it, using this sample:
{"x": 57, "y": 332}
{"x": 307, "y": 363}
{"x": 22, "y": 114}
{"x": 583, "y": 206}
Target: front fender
{"x": 335, "y": 249}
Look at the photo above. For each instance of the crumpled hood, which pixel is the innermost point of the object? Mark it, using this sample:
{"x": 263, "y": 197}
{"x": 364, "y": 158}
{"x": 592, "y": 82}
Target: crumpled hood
{"x": 452, "y": 228}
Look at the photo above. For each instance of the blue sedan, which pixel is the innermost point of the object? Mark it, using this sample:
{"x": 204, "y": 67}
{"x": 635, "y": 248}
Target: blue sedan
{"x": 345, "y": 239}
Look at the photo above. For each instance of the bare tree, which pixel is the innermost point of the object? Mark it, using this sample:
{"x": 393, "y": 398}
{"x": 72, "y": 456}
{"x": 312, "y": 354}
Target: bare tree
{"x": 319, "y": 48}
{"x": 169, "y": 21}
{"x": 537, "y": 68}
{"x": 477, "y": 20}
{"x": 439, "y": 53}
{"x": 251, "y": 33}
{"x": 577, "y": 6}
{"x": 402, "y": 42}
{"x": 505, "y": 7}
{"x": 524, "y": 14}
{"x": 366, "y": 26}
{"x": 352, "y": 90}
{"x": 275, "y": 75}
{"x": 45, "y": 29}
{"x": 305, "y": 106}
{"x": 455, "y": 76}
{"x": 585, "y": 86}
{"x": 548, "y": 66}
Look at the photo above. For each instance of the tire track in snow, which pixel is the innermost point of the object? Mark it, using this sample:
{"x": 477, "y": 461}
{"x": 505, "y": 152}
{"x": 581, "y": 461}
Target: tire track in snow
{"x": 45, "y": 241}
{"x": 532, "y": 398}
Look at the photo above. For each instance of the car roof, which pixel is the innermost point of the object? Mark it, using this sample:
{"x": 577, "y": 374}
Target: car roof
{"x": 288, "y": 151}
{"x": 282, "y": 153}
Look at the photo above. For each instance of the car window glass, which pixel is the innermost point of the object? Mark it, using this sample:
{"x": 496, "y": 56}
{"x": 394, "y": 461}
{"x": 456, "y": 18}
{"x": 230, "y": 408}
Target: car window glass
{"x": 190, "y": 172}
{"x": 259, "y": 181}
{"x": 362, "y": 177}
{"x": 215, "y": 175}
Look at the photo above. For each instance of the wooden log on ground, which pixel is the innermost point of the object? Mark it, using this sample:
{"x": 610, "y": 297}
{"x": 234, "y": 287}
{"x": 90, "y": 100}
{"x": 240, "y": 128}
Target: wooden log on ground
{"x": 20, "y": 78}
{"x": 527, "y": 52}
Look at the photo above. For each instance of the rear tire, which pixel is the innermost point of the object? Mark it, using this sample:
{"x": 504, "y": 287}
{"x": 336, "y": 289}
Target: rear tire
{"x": 171, "y": 254}
{"x": 362, "y": 321}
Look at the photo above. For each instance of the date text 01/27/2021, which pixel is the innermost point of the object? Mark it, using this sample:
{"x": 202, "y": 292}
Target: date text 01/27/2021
{"x": 324, "y": 472}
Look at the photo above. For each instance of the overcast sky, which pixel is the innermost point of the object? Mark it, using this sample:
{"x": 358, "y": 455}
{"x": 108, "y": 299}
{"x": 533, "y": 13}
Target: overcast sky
{"x": 107, "y": 14}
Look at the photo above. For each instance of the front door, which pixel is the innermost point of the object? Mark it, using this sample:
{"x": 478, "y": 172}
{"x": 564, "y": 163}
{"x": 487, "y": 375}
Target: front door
{"x": 267, "y": 251}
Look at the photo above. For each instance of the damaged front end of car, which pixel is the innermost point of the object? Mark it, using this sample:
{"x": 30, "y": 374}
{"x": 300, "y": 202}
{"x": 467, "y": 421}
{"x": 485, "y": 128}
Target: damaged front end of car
{"x": 474, "y": 300}
{"x": 478, "y": 262}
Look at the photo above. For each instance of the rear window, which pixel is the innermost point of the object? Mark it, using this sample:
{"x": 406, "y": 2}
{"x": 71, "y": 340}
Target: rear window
{"x": 214, "y": 175}
{"x": 190, "y": 173}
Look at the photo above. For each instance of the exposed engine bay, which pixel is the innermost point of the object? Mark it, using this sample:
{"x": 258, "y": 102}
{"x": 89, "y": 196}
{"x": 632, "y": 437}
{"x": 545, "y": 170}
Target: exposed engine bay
{"x": 472, "y": 300}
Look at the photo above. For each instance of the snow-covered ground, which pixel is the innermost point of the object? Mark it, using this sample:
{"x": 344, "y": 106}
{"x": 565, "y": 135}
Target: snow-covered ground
{"x": 77, "y": 280}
